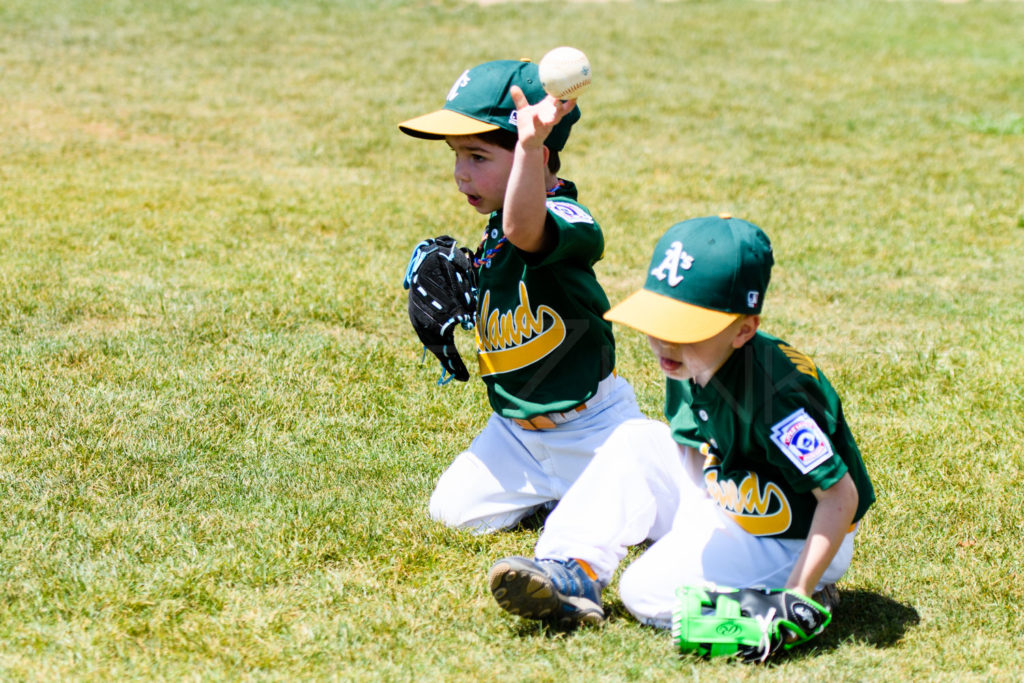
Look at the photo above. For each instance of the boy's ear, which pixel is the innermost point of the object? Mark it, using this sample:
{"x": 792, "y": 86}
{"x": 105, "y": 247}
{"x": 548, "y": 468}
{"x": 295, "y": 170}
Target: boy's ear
{"x": 746, "y": 331}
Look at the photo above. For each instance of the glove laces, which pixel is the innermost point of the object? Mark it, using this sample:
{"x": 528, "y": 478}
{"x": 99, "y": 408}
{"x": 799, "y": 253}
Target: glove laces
{"x": 765, "y": 622}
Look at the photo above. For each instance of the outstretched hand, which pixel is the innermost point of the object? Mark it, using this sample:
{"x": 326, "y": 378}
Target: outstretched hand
{"x": 535, "y": 121}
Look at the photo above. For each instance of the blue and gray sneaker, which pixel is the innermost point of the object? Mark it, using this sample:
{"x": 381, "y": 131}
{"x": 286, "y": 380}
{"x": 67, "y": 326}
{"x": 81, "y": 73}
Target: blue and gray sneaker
{"x": 566, "y": 593}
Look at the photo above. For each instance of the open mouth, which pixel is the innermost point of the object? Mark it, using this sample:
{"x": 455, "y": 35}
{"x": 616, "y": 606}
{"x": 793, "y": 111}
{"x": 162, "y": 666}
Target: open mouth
{"x": 669, "y": 365}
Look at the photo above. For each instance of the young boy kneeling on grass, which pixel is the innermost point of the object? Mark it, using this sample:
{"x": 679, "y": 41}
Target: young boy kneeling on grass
{"x": 545, "y": 352}
{"x": 756, "y": 481}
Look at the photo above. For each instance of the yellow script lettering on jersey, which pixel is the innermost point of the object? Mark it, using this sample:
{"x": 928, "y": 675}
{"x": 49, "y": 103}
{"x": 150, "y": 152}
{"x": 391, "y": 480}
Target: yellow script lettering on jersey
{"x": 800, "y": 361}
{"x": 514, "y": 339}
{"x": 747, "y": 504}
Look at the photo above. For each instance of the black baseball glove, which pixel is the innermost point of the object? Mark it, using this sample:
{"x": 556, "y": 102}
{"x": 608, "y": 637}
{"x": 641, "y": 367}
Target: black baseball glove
{"x": 442, "y": 288}
{"x": 752, "y": 623}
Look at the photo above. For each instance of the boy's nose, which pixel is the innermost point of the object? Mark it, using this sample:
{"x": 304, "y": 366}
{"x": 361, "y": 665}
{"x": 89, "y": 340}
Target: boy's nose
{"x": 660, "y": 345}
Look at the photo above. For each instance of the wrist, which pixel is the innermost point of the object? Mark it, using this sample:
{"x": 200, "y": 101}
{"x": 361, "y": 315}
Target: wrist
{"x": 530, "y": 146}
{"x": 799, "y": 587}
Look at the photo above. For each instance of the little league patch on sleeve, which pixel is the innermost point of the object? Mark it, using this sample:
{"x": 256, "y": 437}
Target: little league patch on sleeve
{"x": 570, "y": 213}
{"x": 801, "y": 440}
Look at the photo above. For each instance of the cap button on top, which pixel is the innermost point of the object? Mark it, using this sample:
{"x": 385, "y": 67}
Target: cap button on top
{"x": 725, "y": 215}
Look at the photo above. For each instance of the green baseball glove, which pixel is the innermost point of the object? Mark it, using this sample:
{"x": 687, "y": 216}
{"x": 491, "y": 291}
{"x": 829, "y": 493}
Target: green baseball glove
{"x": 752, "y": 623}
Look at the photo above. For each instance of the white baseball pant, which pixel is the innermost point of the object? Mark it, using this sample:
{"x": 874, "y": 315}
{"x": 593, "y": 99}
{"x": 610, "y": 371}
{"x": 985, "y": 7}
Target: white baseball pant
{"x": 508, "y": 471}
{"x": 641, "y": 486}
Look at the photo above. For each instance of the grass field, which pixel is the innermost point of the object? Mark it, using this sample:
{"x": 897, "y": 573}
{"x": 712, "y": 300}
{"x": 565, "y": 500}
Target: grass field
{"x": 217, "y": 440}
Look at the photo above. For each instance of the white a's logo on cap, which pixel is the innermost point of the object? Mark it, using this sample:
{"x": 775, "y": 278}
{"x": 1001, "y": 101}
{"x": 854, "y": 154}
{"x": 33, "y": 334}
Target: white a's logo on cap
{"x": 459, "y": 83}
{"x": 675, "y": 260}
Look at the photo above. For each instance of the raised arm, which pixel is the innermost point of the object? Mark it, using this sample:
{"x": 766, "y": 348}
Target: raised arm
{"x": 525, "y": 212}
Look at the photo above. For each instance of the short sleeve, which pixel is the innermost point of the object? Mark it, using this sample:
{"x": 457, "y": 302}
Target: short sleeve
{"x": 578, "y": 236}
{"x": 798, "y": 443}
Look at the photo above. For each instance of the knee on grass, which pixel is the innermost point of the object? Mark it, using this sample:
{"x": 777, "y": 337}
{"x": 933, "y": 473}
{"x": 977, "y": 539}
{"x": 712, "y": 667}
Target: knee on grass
{"x": 645, "y": 601}
{"x": 457, "y": 514}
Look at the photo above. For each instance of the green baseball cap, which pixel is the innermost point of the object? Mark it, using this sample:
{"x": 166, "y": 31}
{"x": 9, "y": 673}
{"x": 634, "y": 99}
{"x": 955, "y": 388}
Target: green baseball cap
{"x": 479, "y": 101}
{"x": 705, "y": 273}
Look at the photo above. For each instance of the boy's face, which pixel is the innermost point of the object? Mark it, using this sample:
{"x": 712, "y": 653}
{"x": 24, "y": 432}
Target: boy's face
{"x": 481, "y": 171}
{"x": 699, "y": 361}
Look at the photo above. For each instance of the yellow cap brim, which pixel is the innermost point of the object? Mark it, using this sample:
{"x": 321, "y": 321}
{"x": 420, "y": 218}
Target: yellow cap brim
{"x": 668, "y": 319}
{"x": 436, "y": 125}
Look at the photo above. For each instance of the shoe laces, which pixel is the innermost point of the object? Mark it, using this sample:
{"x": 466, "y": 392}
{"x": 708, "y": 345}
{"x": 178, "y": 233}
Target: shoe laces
{"x": 567, "y": 578}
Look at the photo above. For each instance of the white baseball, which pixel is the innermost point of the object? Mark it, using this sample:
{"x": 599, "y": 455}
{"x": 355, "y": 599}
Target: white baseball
{"x": 564, "y": 73}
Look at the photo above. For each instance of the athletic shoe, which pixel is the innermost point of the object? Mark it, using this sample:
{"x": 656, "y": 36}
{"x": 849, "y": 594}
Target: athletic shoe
{"x": 565, "y": 593}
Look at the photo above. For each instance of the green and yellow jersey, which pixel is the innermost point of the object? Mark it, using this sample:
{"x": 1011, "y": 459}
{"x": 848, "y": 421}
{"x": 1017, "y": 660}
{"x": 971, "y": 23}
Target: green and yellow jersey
{"x": 542, "y": 343}
{"x": 772, "y": 429}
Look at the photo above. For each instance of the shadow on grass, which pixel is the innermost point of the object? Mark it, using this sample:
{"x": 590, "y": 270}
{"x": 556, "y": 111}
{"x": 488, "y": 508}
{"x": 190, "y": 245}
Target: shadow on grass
{"x": 866, "y": 618}
{"x": 533, "y": 521}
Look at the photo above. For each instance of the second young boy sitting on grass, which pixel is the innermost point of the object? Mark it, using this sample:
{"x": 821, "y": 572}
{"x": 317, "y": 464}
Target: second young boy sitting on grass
{"x": 756, "y": 480}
